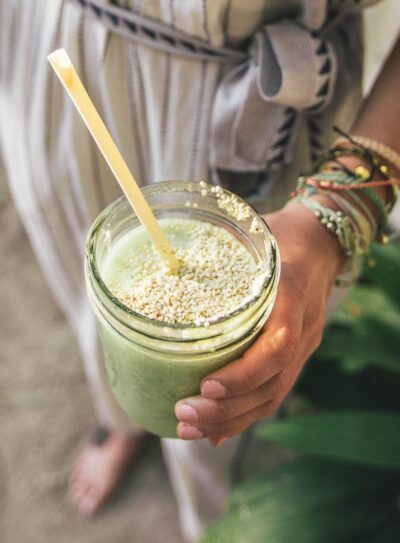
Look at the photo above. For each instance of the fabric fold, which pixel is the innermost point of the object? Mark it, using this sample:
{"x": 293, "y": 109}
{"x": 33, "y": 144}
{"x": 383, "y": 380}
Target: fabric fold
{"x": 290, "y": 70}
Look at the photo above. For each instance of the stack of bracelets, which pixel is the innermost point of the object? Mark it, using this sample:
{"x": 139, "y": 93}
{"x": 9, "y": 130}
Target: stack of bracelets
{"x": 354, "y": 224}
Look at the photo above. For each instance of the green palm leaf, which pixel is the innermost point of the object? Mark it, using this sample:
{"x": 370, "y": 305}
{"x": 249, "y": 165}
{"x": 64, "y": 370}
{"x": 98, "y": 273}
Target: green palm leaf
{"x": 388, "y": 534}
{"x": 382, "y": 268}
{"x": 369, "y": 344}
{"x": 308, "y": 502}
{"x": 365, "y": 332}
{"x": 325, "y": 385}
{"x": 371, "y": 438}
{"x": 367, "y": 300}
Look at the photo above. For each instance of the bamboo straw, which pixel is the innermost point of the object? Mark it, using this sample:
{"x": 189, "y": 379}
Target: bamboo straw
{"x": 68, "y": 76}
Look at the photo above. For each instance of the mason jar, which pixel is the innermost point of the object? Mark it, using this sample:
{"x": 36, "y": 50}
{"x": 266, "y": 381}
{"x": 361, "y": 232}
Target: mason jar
{"x": 152, "y": 364}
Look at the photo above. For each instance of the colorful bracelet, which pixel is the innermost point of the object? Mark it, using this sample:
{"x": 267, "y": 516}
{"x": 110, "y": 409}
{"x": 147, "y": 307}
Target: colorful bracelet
{"x": 338, "y": 224}
{"x": 380, "y": 150}
{"x": 365, "y": 210}
{"x": 365, "y": 227}
{"x": 379, "y": 156}
{"x": 342, "y": 178}
{"x": 354, "y": 225}
{"x": 346, "y": 232}
{"x": 334, "y": 181}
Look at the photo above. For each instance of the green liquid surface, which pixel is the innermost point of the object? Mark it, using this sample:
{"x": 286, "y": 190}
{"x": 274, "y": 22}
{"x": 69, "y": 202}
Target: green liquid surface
{"x": 217, "y": 273}
{"x": 147, "y": 381}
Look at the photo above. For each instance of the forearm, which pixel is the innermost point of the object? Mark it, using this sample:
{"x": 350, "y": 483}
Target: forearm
{"x": 378, "y": 120}
{"x": 379, "y": 117}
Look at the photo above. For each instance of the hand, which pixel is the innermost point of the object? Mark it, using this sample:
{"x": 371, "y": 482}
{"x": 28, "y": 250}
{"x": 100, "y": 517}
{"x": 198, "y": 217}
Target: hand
{"x": 254, "y": 386}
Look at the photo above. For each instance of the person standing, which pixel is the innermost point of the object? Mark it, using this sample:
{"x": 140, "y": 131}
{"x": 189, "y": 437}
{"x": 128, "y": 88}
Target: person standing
{"x": 243, "y": 94}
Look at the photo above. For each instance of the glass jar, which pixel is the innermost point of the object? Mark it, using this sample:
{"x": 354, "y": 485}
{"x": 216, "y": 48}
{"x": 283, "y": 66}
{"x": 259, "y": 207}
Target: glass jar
{"x": 151, "y": 364}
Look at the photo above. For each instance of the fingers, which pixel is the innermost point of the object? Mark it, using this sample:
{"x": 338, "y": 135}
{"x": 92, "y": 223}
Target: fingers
{"x": 255, "y": 385}
{"x": 198, "y": 409}
{"x": 274, "y": 350}
{"x": 216, "y": 422}
{"x": 227, "y": 428}
{"x": 220, "y": 419}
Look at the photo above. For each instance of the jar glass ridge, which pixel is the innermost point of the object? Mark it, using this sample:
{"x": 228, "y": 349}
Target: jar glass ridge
{"x": 131, "y": 340}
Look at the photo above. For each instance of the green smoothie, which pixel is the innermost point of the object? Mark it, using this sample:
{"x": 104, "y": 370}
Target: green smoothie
{"x": 148, "y": 383}
{"x": 161, "y": 332}
{"x": 217, "y": 273}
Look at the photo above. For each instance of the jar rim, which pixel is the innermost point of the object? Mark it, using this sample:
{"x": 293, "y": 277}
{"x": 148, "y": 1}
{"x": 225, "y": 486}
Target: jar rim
{"x": 177, "y": 186}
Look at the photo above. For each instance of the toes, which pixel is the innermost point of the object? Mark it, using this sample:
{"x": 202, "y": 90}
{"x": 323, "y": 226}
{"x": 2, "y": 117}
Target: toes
{"x": 96, "y": 473}
{"x": 79, "y": 488}
{"x": 88, "y": 504}
{"x": 92, "y": 500}
{"x": 87, "y": 496}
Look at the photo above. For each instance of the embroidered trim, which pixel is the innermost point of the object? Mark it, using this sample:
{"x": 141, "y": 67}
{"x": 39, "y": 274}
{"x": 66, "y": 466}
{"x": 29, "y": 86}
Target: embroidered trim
{"x": 314, "y": 134}
{"x": 280, "y": 145}
{"x": 157, "y": 35}
{"x": 324, "y": 93}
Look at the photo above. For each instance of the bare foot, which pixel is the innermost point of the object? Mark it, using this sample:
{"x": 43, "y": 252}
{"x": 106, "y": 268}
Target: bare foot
{"x": 98, "y": 469}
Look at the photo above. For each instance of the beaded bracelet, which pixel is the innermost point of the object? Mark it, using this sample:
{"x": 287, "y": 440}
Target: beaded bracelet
{"x": 365, "y": 209}
{"x": 354, "y": 236}
{"x": 335, "y": 153}
{"x": 375, "y": 153}
{"x": 367, "y": 222}
{"x": 346, "y": 232}
{"x": 333, "y": 181}
{"x": 369, "y": 154}
{"x": 375, "y": 147}
{"x": 366, "y": 229}
{"x": 336, "y": 223}
{"x": 354, "y": 225}
{"x": 342, "y": 178}
{"x": 370, "y": 194}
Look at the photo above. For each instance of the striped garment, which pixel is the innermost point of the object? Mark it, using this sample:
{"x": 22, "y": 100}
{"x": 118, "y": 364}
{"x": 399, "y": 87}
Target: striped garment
{"x": 252, "y": 126}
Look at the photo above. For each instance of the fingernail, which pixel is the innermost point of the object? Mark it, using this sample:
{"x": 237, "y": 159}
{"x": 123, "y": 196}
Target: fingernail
{"x": 189, "y": 432}
{"x": 186, "y": 412}
{"x": 213, "y": 389}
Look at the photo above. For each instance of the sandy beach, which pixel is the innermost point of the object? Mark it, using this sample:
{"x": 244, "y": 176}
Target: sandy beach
{"x": 45, "y": 411}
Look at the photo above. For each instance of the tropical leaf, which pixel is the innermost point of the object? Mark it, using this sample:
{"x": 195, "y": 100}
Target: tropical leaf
{"x": 364, "y": 333}
{"x": 369, "y": 344}
{"x": 326, "y": 386}
{"x": 308, "y": 502}
{"x": 343, "y": 480}
{"x": 341, "y": 494}
{"x": 367, "y": 300}
{"x": 382, "y": 267}
{"x": 388, "y": 534}
{"x": 364, "y": 437}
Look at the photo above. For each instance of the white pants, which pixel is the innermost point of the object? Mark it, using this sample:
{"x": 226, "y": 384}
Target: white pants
{"x": 59, "y": 182}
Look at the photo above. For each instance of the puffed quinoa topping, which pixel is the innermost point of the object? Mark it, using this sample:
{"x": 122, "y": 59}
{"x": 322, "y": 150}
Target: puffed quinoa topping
{"x": 217, "y": 276}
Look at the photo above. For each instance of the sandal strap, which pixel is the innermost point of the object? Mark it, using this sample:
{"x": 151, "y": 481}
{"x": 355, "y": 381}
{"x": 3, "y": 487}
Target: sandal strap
{"x": 99, "y": 435}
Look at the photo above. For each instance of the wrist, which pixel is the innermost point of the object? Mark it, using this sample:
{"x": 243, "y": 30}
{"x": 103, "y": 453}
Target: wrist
{"x": 301, "y": 237}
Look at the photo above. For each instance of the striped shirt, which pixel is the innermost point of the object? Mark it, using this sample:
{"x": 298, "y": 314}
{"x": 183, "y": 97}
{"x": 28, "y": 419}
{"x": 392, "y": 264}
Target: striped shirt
{"x": 252, "y": 126}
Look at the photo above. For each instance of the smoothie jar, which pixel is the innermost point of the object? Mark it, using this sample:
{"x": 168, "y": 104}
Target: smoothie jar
{"x": 152, "y": 364}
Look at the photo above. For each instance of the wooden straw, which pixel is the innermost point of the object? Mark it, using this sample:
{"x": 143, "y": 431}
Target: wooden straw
{"x": 68, "y": 76}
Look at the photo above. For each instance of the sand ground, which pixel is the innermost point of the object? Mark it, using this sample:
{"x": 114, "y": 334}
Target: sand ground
{"x": 45, "y": 411}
